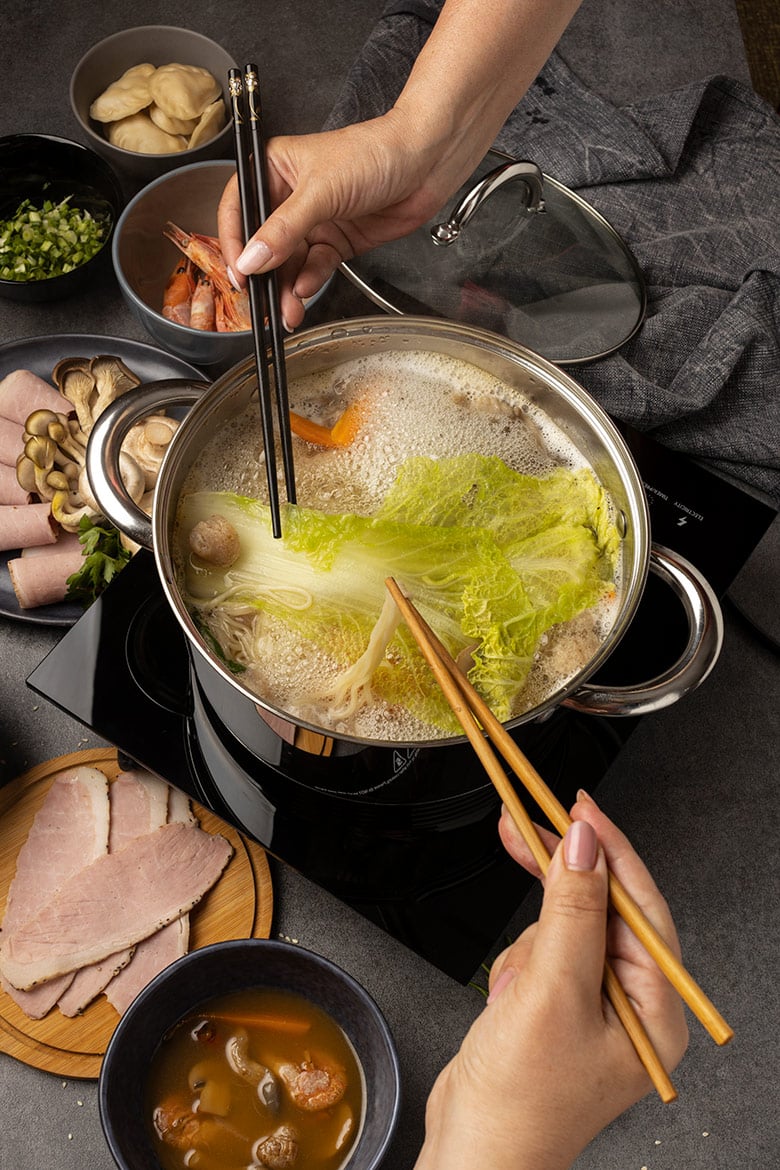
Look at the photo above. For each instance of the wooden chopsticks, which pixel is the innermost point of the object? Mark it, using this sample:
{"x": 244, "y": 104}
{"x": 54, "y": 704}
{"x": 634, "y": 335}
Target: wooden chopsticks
{"x": 263, "y": 290}
{"x": 476, "y": 719}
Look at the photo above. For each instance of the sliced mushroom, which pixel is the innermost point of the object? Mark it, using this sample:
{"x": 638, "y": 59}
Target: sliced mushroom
{"x": 237, "y": 1052}
{"x": 148, "y": 441}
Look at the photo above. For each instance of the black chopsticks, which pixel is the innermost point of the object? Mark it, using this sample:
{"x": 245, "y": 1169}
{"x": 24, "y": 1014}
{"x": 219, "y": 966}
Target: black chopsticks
{"x": 263, "y": 290}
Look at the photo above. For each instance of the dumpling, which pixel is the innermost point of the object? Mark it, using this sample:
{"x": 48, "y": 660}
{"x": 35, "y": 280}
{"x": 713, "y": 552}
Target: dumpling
{"x": 171, "y": 125}
{"x": 183, "y": 91}
{"x": 127, "y": 95}
{"x": 139, "y": 133}
{"x": 211, "y": 122}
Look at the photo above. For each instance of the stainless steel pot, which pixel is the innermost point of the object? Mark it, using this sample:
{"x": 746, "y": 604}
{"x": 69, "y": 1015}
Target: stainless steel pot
{"x": 554, "y": 392}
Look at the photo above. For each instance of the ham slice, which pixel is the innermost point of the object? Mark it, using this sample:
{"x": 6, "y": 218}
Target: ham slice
{"x": 154, "y": 954}
{"x": 11, "y": 491}
{"x": 22, "y": 392}
{"x": 115, "y": 902}
{"x": 40, "y": 580}
{"x": 69, "y": 831}
{"x": 11, "y": 441}
{"x": 138, "y": 804}
{"x": 22, "y": 525}
{"x": 66, "y": 542}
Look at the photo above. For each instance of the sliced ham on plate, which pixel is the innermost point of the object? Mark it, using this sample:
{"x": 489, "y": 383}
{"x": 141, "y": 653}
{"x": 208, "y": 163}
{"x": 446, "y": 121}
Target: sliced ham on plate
{"x": 159, "y": 950}
{"x": 11, "y": 441}
{"x": 22, "y": 392}
{"x": 138, "y": 804}
{"x": 11, "y": 491}
{"x": 68, "y": 832}
{"x": 43, "y": 580}
{"x": 115, "y": 902}
{"x": 23, "y": 525}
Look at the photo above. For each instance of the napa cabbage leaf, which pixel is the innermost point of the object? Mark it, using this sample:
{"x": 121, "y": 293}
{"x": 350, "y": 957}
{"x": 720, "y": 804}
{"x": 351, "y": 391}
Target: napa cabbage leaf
{"x": 491, "y": 558}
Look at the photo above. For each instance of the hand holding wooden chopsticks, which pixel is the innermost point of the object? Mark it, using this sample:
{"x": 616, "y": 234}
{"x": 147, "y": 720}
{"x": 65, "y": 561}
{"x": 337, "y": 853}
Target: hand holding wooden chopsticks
{"x": 474, "y": 716}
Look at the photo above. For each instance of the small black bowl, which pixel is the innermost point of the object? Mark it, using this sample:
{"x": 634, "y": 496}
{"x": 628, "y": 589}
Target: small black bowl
{"x": 42, "y": 166}
{"x": 217, "y": 970}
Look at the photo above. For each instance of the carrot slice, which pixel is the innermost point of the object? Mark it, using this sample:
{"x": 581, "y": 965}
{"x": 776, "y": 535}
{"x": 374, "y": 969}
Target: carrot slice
{"x": 265, "y": 1021}
{"x": 343, "y": 432}
{"x": 310, "y": 432}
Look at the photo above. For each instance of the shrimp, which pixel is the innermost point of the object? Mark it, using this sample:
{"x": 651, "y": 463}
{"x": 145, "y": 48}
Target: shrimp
{"x": 233, "y": 311}
{"x": 203, "y": 312}
{"x": 204, "y": 252}
{"x": 231, "y": 304}
{"x": 177, "y": 297}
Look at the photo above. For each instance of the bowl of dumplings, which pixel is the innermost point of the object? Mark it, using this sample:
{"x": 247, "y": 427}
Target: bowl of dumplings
{"x": 153, "y": 98}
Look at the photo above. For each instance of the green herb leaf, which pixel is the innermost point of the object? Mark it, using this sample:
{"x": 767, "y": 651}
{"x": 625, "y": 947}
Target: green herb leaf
{"x": 104, "y": 557}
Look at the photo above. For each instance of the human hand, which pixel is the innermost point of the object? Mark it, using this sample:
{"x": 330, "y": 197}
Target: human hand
{"x": 336, "y": 194}
{"x": 548, "y": 1064}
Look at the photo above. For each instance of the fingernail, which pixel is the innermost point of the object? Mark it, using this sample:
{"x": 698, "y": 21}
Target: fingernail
{"x": 232, "y": 279}
{"x": 253, "y": 257}
{"x": 287, "y": 328}
{"x": 505, "y": 978}
{"x": 585, "y": 796}
{"x": 580, "y": 846}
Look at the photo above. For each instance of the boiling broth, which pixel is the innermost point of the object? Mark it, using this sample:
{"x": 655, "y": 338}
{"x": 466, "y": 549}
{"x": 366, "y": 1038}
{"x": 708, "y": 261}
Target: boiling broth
{"x": 256, "y": 1078}
{"x": 415, "y": 403}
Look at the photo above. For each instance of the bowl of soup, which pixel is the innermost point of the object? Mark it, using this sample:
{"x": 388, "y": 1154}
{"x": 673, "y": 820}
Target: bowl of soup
{"x": 250, "y": 1052}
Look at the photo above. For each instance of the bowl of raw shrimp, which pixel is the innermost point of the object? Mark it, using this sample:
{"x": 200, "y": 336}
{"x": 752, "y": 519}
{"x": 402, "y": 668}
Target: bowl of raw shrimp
{"x": 171, "y": 272}
{"x": 251, "y": 1052}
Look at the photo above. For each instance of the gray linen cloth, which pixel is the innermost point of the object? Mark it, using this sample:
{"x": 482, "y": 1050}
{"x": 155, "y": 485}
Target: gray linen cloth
{"x": 690, "y": 180}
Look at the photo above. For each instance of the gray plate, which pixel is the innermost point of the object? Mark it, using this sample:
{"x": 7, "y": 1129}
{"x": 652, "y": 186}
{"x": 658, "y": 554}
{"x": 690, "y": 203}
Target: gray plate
{"x": 40, "y": 355}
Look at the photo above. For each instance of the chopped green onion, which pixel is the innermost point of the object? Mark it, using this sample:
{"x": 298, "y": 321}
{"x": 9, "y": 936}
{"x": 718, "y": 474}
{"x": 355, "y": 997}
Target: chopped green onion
{"x": 40, "y": 242}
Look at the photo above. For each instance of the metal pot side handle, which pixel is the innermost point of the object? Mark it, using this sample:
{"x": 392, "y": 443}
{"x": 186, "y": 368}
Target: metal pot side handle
{"x": 105, "y": 441}
{"x": 705, "y": 639}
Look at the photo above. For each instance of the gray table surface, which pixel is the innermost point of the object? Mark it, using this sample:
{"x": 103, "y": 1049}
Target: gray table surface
{"x": 696, "y": 786}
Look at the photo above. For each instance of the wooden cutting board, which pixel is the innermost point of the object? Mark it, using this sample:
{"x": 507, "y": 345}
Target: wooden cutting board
{"x": 240, "y": 905}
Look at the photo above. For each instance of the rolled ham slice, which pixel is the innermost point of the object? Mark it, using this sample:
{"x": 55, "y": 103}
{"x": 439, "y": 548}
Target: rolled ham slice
{"x": 11, "y": 441}
{"x": 22, "y": 392}
{"x": 66, "y": 542}
{"x": 11, "y": 491}
{"x": 43, "y": 580}
{"x": 115, "y": 902}
{"x": 22, "y": 525}
{"x": 69, "y": 831}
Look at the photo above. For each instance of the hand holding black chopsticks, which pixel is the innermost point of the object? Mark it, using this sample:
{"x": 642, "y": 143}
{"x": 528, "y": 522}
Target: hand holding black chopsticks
{"x": 263, "y": 291}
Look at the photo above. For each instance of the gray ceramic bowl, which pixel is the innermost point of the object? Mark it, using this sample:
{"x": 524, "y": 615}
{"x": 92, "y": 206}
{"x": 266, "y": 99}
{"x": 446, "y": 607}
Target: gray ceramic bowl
{"x": 217, "y": 970}
{"x": 159, "y": 45}
{"x": 144, "y": 259}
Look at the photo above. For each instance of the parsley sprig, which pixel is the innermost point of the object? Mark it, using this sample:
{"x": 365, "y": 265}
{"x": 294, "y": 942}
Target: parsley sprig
{"x": 104, "y": 557}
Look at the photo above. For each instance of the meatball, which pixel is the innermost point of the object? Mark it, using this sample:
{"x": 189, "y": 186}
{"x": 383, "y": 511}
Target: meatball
{"x": 215, "y": 541}
{"x": 311, "y": 1087}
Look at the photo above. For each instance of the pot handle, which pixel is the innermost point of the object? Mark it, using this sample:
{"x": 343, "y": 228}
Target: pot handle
{"x": 705, "y": 638}
{"x": 105, "y": 441}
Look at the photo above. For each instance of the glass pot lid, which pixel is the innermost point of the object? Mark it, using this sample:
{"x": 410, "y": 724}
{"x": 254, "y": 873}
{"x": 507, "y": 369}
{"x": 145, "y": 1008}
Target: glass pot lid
{"x": 519, "y": 254}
